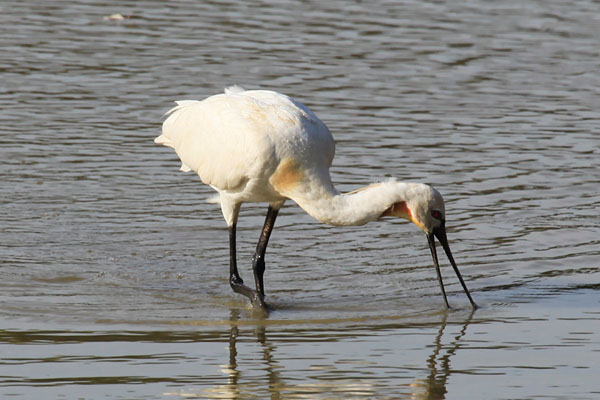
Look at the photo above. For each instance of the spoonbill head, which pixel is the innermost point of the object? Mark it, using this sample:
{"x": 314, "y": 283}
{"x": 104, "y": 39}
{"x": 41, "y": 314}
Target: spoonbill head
{"x": 424, "y": 206}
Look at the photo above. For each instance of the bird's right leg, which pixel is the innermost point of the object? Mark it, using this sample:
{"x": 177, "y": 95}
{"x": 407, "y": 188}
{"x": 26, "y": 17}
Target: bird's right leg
{"x": 236, "y": 282}
{"x": 234, "y": 276}
{"x": 258, "y": 261}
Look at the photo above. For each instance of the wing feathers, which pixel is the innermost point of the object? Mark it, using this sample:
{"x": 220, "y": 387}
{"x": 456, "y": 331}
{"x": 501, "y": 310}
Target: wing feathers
{"x": 241, "y": 136}
{"x": 216, "y": 139}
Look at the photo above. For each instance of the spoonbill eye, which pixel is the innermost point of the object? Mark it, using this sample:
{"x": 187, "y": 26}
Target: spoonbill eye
{"x": 436, "y": 214}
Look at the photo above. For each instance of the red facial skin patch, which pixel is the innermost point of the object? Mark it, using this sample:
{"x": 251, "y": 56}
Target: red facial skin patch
{"x": 399, "y": 209}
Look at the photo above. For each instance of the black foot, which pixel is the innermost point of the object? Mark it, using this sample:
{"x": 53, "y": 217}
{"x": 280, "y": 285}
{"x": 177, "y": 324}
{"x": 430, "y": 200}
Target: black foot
{"x": 257, "y": 300}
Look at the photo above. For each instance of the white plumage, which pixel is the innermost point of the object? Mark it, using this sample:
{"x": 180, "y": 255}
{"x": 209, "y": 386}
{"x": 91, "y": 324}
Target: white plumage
{"x": 236, "y": 141}
{"x": 263, "y": 146}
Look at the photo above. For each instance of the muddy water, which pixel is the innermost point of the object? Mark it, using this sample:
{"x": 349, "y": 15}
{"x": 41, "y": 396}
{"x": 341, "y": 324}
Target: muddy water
{"x": 113, "y": 269}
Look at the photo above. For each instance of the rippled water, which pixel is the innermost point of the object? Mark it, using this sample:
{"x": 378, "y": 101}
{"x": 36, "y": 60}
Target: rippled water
{"x": 113, "y": 268}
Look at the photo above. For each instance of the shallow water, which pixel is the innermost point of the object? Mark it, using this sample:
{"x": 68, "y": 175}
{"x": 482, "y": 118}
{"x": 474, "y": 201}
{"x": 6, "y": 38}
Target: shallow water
{"x": 113, "y": 267}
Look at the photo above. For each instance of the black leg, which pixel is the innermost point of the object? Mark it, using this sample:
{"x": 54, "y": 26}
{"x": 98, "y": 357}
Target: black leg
{"x": 236, "y": 282}
{"x": 234, "y": 276}
{"x": 258, "y": 261}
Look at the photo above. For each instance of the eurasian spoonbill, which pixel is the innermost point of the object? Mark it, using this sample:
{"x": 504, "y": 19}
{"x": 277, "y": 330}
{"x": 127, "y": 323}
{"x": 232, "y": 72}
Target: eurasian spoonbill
{"x": 263, "y": 146}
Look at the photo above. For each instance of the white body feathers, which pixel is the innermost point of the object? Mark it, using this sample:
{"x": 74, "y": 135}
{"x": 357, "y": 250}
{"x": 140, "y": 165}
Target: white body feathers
{"x": 263, "y": 146}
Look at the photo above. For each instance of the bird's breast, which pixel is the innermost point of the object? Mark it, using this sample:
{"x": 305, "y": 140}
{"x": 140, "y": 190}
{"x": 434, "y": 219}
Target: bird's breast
{"x": 287, "y": 175}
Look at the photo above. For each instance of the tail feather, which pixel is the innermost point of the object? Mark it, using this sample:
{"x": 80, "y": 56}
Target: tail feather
{"x": 163, "y": 139}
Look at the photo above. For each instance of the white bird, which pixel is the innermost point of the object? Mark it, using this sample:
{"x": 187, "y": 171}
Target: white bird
{"x": 263, "y": 146}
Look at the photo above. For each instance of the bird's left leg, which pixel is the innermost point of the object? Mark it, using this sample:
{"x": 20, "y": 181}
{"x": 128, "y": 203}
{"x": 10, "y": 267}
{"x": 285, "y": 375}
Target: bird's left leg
{"x": 258, "y": 261}
{"x": 231, "y": 212}
{"x": 235, "y": 281}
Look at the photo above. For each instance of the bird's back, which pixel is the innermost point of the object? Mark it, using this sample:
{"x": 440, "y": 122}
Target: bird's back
{"x": 238, "y": 141}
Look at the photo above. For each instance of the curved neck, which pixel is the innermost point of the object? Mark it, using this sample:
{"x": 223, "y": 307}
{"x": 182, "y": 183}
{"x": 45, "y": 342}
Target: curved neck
{"x": 355, "y": 208}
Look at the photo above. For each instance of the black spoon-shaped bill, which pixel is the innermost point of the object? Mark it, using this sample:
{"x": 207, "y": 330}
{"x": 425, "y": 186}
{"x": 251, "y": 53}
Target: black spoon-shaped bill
{"x": 440, "y": 233}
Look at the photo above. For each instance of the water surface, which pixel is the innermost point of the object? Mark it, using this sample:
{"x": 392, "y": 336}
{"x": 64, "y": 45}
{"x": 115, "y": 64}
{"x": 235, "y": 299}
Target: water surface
{"x": 113, "y": 267}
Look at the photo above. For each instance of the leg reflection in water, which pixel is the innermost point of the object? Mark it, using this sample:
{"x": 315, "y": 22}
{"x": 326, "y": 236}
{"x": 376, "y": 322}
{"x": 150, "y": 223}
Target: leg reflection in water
{"x": 438, "y": 364}
{"x": 234, "y": 388}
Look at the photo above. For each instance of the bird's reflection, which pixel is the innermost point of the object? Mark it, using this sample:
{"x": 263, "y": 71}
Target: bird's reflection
{"x": 235, "y": 390}
{"x": 268, "y": 349}
{"x": 232, "y": 369}
{"x": 432, "y": 387}
{"x": 438, "y": 363}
